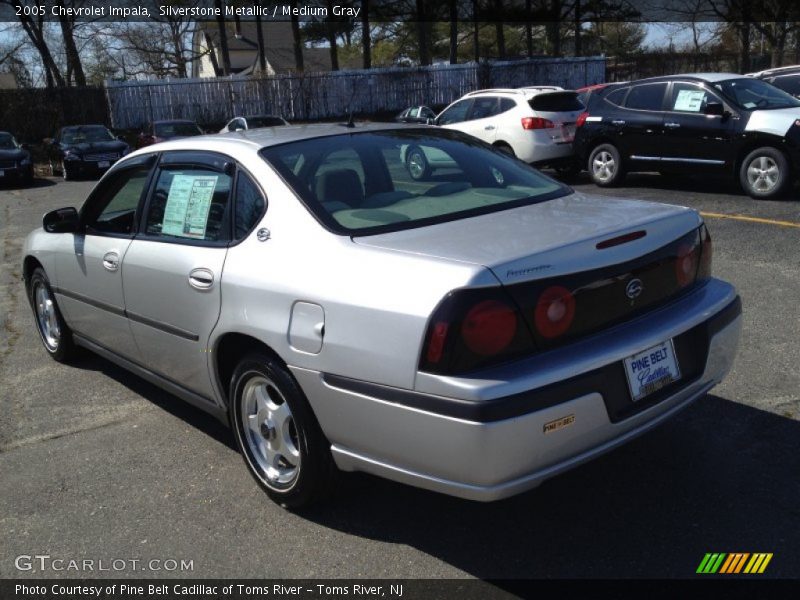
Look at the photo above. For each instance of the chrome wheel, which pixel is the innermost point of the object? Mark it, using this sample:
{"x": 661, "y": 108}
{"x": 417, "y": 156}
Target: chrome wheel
{"x": 603, "y": 165}
{"x": 417, "y": 164}
{"x": 763, "y": 174}
{"x": 270, "y": 432}
{"x": 46, "y": 316}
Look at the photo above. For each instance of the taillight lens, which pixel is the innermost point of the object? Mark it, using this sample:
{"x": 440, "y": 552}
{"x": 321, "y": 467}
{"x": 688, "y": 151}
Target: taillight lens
{"x": 554, "y": 312}
{"x": 686, "y": 264}
{"x": 704, "y": 270}
{"x": 536, "y": 123}
{"x": 581, "y": 119}
{"x": 489, "y": 327}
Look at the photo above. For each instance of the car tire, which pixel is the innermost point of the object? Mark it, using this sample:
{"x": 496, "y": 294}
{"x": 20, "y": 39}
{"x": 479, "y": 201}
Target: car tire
{"x": 605, "y": 165}
{"x": 54, "y": 172}
{"x": 764, "y": 173}
{"x": 54, "y": 332}
{"x": 505, "y": 149}
{"x": 417, "y": 164}
{"x": 277, "y": 433}
{"x": 65, "y": 174}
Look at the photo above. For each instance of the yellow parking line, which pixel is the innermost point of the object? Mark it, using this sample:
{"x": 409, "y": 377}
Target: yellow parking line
{"x": 751, "y": 219}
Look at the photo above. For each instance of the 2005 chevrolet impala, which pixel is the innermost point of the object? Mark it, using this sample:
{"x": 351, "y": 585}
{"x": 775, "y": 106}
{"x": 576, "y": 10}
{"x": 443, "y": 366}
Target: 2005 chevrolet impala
{"x": 474, "y": 332}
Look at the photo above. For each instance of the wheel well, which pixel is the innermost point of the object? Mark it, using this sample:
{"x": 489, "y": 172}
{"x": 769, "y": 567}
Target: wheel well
{"x": 29, "y": 265}
{"x": 501, "y": 143}
{"x": 229, "y": 351}
{"x": 755, "y": 145}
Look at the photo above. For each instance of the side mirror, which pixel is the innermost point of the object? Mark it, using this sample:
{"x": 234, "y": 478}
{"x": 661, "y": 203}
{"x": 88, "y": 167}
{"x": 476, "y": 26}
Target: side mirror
{"x": 61, "y": 220}
{"x": 715, "y": 109}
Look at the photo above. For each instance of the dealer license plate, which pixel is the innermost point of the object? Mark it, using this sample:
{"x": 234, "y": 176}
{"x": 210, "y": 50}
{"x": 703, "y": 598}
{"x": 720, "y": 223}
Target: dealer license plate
{"x": 103, "y": 164}
{"x": 652, "y": 369}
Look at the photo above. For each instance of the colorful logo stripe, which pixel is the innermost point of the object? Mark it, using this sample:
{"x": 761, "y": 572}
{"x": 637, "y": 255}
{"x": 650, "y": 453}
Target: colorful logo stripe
{"x": 734, "y": 563}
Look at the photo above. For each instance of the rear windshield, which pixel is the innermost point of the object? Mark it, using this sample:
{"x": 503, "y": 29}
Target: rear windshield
{"x": 265, "y": 122}
{"x": 373, "y": 182}
{"x": 556, "y": 102}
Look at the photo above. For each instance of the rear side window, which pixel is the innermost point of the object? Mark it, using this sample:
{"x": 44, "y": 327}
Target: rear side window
{"x": 617, "y": 96}
{"x": 556, "y": 102}
{"x": 646, "y": 97}
{"x": 249, "y": 207}
{"x": 456, "y": 113}
{"x": 190, "y": 203}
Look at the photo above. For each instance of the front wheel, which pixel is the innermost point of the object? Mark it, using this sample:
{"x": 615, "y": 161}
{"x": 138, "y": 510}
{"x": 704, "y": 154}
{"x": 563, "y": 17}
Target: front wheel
{"x": 417, "y": 164}
{"x": 764, "y": 173}
{"x": 605, "y": 165}
{"x": 53, "y": 330}
{"x": 276, "y": 432}
{"x": 67, "y": 175}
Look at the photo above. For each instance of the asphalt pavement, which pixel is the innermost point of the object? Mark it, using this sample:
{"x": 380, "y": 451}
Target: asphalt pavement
{"x": 97, "y": 464}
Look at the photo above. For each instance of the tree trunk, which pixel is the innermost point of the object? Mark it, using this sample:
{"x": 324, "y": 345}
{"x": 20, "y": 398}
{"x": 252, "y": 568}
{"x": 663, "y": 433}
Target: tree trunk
{"x": 422, "y": 34}
{"x": 475, "y": 40}
{"x": 578, "y": 15}
{"x": 35, "y": 31}
{"x": 528, "y": 29}
{"x": 500, "y": 33}
{"x": 71, "y": 51}
{"x": 331, "y": 34}
{"x": 744, "y": 47}
{"x": 453, "y": 31}
{"x": 297, "y": 40}
{"x": 262, "y": 59}
{"x": 223, "y": 39}
{"x": 366, "y": 41}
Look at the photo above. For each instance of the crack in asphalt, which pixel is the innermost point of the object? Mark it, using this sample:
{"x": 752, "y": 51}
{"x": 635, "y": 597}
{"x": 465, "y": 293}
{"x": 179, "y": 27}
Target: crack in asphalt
{"x": 47, "y": 437}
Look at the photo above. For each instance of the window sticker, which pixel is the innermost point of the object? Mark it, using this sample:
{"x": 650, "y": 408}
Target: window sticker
{"x": 188, "y": 202}
{"x": 689, "y": 100}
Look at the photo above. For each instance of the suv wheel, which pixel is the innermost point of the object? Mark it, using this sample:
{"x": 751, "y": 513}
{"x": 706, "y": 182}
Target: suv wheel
{"x": 505, "y": 149}
{"x": 277, "y": 433}
{"x": 605, "y": 165}
{"x": 417, "y": 164}
{"x": 764, "y": 173}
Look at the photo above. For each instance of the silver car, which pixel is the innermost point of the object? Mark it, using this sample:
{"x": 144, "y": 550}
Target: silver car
{"x": 472, "y": 334}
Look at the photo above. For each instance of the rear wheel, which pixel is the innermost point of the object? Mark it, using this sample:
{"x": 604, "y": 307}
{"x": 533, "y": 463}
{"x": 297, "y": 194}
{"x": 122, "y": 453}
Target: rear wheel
{"x": 53, "y": 330}
{"x": 276, "y": 432}
{"x": 605, "y": 165}
{"x": 764, "y": 173}
{"x": 505, "y": 148}
{"x": 65, "y": 173}
{"x": 417, "y": 164}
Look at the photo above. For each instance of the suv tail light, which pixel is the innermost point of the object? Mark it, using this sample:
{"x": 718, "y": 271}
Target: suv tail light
{"x": 536, "y": 123}
{"x": 581, "y": 119}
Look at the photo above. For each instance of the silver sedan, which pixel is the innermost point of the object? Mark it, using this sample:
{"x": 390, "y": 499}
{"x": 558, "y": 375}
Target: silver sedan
{"x": 472, "y": 333}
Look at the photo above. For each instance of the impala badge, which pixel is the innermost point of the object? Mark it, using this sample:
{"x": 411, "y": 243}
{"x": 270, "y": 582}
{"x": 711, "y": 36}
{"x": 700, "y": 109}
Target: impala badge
{"x": 634, "y": 289}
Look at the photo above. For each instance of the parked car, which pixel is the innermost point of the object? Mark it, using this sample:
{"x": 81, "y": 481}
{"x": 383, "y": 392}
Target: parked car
{"x": 474, "y": 337}
{"x": 15, "y": 161}
{"x": 698, "y": 123}
{"x": 163, "y": 131}
{"x": 783, "y": 78}
{"x": 416, "y": 114}
{"x": 253, "y": 122}
{"x": 535, "y": 124}
{"x": 81, "y": 150}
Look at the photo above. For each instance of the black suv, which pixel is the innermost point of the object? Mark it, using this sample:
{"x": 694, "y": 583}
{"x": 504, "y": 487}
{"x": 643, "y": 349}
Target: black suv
{"x": 700, "y": 123}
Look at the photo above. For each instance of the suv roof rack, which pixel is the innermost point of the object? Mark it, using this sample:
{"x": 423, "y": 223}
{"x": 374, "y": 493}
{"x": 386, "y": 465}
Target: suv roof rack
{"x": 521, "y": 90}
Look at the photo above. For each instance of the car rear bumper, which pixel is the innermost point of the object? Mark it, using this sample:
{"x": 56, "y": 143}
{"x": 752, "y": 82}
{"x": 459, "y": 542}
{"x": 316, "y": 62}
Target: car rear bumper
{"x": 16, "y": 174}
{"x": 492, "y": 448}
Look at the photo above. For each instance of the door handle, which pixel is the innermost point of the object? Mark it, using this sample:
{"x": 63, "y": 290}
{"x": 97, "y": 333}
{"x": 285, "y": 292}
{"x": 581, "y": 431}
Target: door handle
{"x": 489, "y": 127}
{"x": 111, "y": 261}
{"x": 201, "y": 279}
{"x": 618, "y": 122}
{"x": 672, "y": 125}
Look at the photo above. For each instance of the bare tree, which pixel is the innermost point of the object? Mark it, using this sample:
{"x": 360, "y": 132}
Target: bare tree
{"x": 36, "y": 28}
{"x": 74, "y": 65}
{"x": 223, "y": 38}
{"x": 330, "y": 30}
{"x": 366, "y": 40}
{"x": 296, "y": 38}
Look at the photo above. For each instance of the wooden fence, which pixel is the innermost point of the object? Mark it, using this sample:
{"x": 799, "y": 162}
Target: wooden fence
{"x": 333, "y": 95}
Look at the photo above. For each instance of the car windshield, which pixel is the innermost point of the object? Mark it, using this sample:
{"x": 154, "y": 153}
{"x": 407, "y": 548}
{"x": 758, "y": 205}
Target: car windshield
{"x": 175, "y": 129}
{"x": 7, "y": 142}
{"x": 373, "y": 182}
{"x": 79, "y": 135}
{"x": 266, "y": 121}
{"x": 754, "y": 94}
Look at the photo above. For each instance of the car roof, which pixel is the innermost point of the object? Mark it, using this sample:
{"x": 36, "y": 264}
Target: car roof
{"x": 264, "y": 116}
{"x": 256, "y": 139}
{"x": 789, "y": 70}
{"x": 161, "y": 122}
{"x": 706, "y": 77}
{"x": 527, "y": 91}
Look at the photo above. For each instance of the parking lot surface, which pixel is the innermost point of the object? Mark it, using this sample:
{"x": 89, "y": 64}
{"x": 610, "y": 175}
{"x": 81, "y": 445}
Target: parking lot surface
{"x": 98, "y": 464}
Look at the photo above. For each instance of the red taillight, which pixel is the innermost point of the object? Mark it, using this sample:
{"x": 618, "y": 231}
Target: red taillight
{"x": 489, "y": 327}
{"x": 581, "y": 119}
{"x": 554, "y": 311}
{"x": 436, "y": 342}
{"x": 536, "y": 123}
{"x": 704, "y": 270}
{"x": 686, "y": 264}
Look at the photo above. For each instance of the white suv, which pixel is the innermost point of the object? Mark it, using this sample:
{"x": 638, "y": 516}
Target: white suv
{"x": 535, "y": 124}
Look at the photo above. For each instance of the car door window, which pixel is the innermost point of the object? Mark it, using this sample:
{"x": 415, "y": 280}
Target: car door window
{"x": 456, "y": 113}
{"x": 483, "y": 108}
{"x": 249, "y": 206}
{"x": 190, "y": 203}
{"x": 689, "y": 98}
{"x": 617, "y": 96}
{"x": 649, "y": 96}
{"x": 112, "y": 208}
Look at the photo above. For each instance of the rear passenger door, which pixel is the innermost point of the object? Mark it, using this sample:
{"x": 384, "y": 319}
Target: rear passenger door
{"x": 482, "y": 118}
{"x": 640, "y": 124}
{"x": 173, "y": 267}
